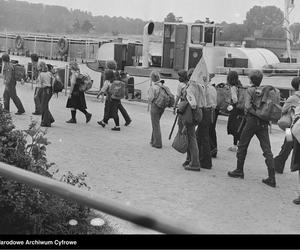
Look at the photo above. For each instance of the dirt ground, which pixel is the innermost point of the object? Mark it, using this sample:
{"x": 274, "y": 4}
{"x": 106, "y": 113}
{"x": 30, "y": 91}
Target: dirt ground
{"x": 123, "y": 167}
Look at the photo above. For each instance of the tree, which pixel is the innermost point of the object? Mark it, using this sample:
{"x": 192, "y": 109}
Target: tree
{"x": 295, "y": 30}
{"x": 76, "y": 26}
{"x": 233, "y": 32}
{"x": 87, "y": 26}
{"x": 265, "y": 18}
{"x": 170, "y": 17}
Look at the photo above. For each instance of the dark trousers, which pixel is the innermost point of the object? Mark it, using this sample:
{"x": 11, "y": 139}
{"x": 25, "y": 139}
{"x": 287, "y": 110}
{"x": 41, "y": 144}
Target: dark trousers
{"x": 38, "y": 92}
{"x": 255, "y": 126}
{"x": 203, "y": 138}
{"x": 47, "y": 117}
{"x": 281, "y": 158}
{"x": 156, "y": 114}
{"x": 11, "y": 93}
{"x": 212, "y": 133}
{"x": 192, "y": 151}
{"x": 111, "y": 111}
{"x": 124, "y": 113}
{"x": 295, "y": 162}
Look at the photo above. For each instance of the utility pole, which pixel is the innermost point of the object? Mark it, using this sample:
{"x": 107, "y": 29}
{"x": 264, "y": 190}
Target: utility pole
{"x": 288, "y": 7}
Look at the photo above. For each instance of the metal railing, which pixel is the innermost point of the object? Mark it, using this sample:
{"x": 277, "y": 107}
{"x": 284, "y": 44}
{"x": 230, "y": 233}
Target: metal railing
{"x": 93, "y": 200}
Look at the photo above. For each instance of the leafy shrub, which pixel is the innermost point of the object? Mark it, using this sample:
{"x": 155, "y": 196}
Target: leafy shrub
{"x": 27, "y": 210}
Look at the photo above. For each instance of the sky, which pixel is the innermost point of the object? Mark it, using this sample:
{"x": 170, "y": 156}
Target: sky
{"x": 190, "y": 10}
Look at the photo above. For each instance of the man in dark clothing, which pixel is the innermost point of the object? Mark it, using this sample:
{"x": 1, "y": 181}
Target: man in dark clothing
{"x": 254, "y": 126}
{"x": 10, "y": 86}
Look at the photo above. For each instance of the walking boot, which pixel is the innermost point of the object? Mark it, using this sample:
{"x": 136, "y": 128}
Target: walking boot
{"x": 270, "y": 181}
{"x": 237, "y": 173}
{"x": 72, "y": 121}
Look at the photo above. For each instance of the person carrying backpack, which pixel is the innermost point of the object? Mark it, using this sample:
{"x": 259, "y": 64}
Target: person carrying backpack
{"x": 157, "y": 98}
{"x": 10, "y": 86}
{"x": 193, "y": 98}
{"x": 76, "y": 99}
{"x": 254, "y": 126}
{"x": 115, "y": 91}
{"x": 45, "y": 81}
{"x": 287, "y": 147}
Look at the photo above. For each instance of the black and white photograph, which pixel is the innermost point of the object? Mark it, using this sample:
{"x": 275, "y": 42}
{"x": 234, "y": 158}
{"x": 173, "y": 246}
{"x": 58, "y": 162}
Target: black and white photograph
{"x": 148, "y": 117}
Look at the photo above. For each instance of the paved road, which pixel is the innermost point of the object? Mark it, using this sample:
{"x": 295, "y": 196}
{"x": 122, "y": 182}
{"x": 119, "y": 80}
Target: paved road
{"x": 123, "y": 167}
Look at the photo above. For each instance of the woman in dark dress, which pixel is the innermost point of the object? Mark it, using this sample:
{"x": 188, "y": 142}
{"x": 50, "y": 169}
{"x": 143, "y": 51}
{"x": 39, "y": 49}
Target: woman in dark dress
{"x": 236, "y": 115}
{"x": 76, "y": 98}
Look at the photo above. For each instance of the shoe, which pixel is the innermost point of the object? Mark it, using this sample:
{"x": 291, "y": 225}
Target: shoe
{"x": 36, "y": 113}
{"x": 19, "y": 113}
{"x": 297, "y": 201}
{"x": 207, "y": 167}
{"x": 186, "y": 163}
{"x": 71, "y": 121}
{"x": 101, "y": 123}
{"x": 236, "y": 174}
{"x": 116, "y": 129}
{"x": 88, "y": 117}
{"x": 127, "y": 123}
{"x": 233, "y": 149}
{"x": 189, "y": 168}
{"x": 46, "y": 126}
{"x": 270, "y": 182}
{"x": 159, "y": 147}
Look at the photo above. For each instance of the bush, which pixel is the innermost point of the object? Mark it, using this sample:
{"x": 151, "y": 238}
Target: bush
{"x": 27, "y": 210}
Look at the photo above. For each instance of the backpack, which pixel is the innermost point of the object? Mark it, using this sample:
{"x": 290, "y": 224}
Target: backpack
{"x": 266, "y": 103}
{"x": 19, "y": 72}
{"x": 117, "y": 90}
{"x": 57, "y": 86}
{"x": 86, "y": 82}
{"x": 223, "y": 96}
{"x": 165, "y": 98}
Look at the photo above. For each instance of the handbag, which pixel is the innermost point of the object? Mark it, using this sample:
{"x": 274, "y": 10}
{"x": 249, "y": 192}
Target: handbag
{"x": 180, "y": 143}
{"x": 296, "y": 129}
{"x": 285, "y": 121}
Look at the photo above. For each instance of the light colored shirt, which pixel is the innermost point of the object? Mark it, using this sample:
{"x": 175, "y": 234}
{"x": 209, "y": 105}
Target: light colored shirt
{"x": 45, "y": 79}
{"x": 153, "y": 91}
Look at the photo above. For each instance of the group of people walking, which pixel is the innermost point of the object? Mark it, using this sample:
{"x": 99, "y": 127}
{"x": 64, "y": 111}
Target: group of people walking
{"x": 44, "y": 78}
{"x": 242, "y": 124}
{"x": 195, "y": 92}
